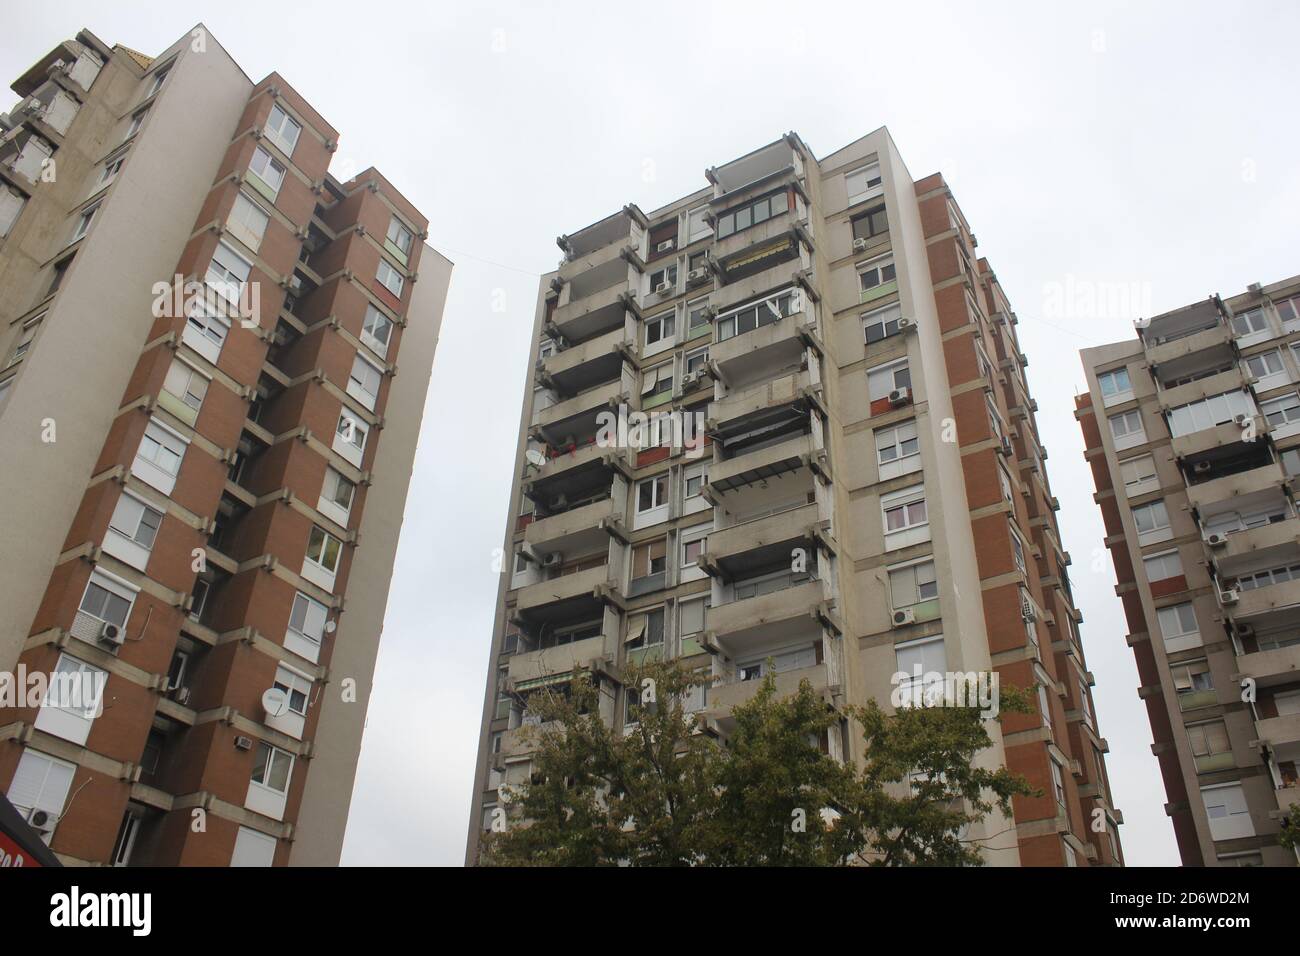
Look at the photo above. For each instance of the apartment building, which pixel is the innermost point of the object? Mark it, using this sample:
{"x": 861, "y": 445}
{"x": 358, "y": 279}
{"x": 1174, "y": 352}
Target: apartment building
{"x": 207, "y": 448}
{"x": 1193, "y": 433}
{"x": 865, "y": 410}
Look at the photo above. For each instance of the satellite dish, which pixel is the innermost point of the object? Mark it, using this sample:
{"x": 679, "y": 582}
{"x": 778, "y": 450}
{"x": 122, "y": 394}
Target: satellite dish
{"x": 275, "y": 702}
{"x": 535, "y": 457}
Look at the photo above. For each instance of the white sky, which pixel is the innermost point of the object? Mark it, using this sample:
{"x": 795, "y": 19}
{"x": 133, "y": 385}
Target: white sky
{"x": 1148, "y": 152}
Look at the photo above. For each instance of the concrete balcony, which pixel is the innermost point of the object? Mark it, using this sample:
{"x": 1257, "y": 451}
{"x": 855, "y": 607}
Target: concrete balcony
{"x": 1208, "y": 439}
{"x": 586, "y": 457}
{"x": 723, "y": 698}
{"x": 755, "y": 398}
{"x": 594, "y": 314}
{"x": 1219, "y": 335}
{"x": 796, "y": 452}
{"x": 603, "y": 348}
{"x": 622, "y": 228}
{"x": 1245, "y": 549}
{"x": 594, "y": 583}
{"x": 522, "y": 741}
{"x": 620, "y": 249}
{"x": 774, "y": 345}
{"x": 1275, "y": 666}
{"x": 1208, "y": 494}
{"x": 1260, "y": 601}
{"x": 608, "y": 395}
{"x": 1233, "y": 379}
{"x": 1288, "y": 799}
{"x": 1279, "y": 731}
{"x": 755, "y": 236}
{"x": 793, "y": 605}
{"x": 792, "y": 525}
{"x": 575, "y": 530}
{"x": 555, "y": 661}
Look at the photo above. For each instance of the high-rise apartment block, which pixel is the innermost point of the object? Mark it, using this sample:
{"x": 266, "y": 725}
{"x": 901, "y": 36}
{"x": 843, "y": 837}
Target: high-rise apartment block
{"x": 1193, "y": 433}
{"x": 865, "y": 407}
{"x": 206, "y": 447}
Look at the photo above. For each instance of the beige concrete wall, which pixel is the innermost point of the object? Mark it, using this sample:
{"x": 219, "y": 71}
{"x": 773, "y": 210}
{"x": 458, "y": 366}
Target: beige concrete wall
{"x": 76, "y": 373}
{"x": 323, "y": 816}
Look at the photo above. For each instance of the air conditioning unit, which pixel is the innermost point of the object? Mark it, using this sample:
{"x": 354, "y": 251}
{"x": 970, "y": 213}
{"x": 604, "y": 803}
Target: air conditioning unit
{"x": 243, "y": 743}
{"x": 663, "y": 288}
{"x": 689, "y": 378}
{"x": 42, "y": 821}
{"x": 1202, "y": 467}
{"x": 1216, "y": 540}
{"x": 904, "y": 617}
{"x": 697, "y": 275}
{"x": 859, "y": 245}
{"x": 295, "y": 282}
{"x": 900, "y": 396}
{"x": 1255, "y": 288}
{"x": 1230, "y": 596}
{"x": 1027, "y": 612}
{"x": 665, "y": 245}
{"x": 32, "y": 106}
{"x": 110, "y": 634}
{"x": 552, "y": 559}
{"x": 1242, "y": 420}
{"x": 1005, "y": 448}
{"x": 1245, "y": 630}
{"x": 181, "y": 695}
{"x": 904, "y": 324}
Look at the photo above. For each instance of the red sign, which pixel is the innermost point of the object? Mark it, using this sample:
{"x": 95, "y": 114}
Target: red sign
{"x": 11, "y": 854}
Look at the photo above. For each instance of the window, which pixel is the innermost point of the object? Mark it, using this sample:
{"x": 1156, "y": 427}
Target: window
{"x": 186, "y": 384}
{"x": 664, "y": 281}
{"x": 882, "y": 323}
{"x": 1192, "y": 678}
{"x": 895, "y": 444}
{"x": 696, "y": 478}
{"x": 697, "y": 224}
{"x": 159, "y": 78}
{"x": 323, "y": 549}
{"x": 1269, "y": 577}
{"x": 390, "y": 278}
{"x": 1209, "y": 412}
{"x": 1265, "y": 364}
{"x": 25, "y": 339}
{"x": 697, "y": 316}
{"x": 41, "y": 783}
{"x": 871, "y": 223}
{"x": 690, "y": 617}
{"x": 1229, "y": 815}
{"x": 162, "y": 449}
{"x": 338, "y": 490}
{"x": 133, "y": 519}
{"x": 271, "y": 767}
{"x": 376, "y": 331}
{"x": 363, "y": 383}
{"x": 863, "y": 184}
{"x": 399, "y": 238}
{"x": 1249, "y": 322}
{"x": 104, "y": 601}
{"x": 56, "y": 278}
{"x": 912, "y": 585}
{"x": 693, "y": 542}
{"x": 11, "y": 206}
{"x": 1004, "y": 480}
{"x": 1162, "y": 567}
{"x": 307, "y": 618}
{"x": 646, "y": 631}
{"x": 876, "y": 272}
{"x": 247, "y": 222}
{"x": 76, "y": 688}
{"x": 754, "y": 315}
{"x": 1178, "y": 620}
{"x": 227, "y": 272}
{"x": 1281, "y": 411}
{"x": 886, "y": 378}
{"x": 1289, "y": 310}
{"x": 1137, "y": 472}
{"x": 1114, "y": 383}
{"x": 352, "y": 433}
{"x": 652, "y": 493}
{"x": 83, "y": 224}
{"x": 753, "y": 213}
{"x": 1058, "y": 782}
{"x": 253, "y": 848}
{"x": 1150, "y": 517}
{"x": 209, "y": 324}
{"x": 282, "y": 129}
{"x": 1208, "y": 740}
{"x": 1018, "y": 550}
{"x": 296, "y": 687}
{"x": 1127, "y": 427}
{"x": 1291, "y": 462}
{"x": 1044, "y": 705}
{"x": 137, "y": 120}
{"x": 904, "y": 509}
{"x": 659, "y": 328}
{"x": 267, "y": 170}
{"x": 913, "y": 660}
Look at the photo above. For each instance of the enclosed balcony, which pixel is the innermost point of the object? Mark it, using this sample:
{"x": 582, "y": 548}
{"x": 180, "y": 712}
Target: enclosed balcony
{"x": 48, "y": 106}
{"x": 1260, "y": 591}
{"x": 1230, "y": 379}
{"x": 24, "y": 153}
{"x": 1225, "y": 439}
{"x": 762, "y": 336}
{"x": 1276, "y": 543}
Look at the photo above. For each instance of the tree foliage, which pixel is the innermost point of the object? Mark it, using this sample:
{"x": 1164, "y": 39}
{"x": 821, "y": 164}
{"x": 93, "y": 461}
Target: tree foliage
{"x": 663, "y": 793}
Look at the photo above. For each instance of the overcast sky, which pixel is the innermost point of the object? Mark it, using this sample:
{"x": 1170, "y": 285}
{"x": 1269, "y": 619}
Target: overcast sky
{"x": 1144, "y": 157}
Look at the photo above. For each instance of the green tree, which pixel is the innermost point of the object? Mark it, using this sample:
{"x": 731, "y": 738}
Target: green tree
{"x": 666, "y": 794}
